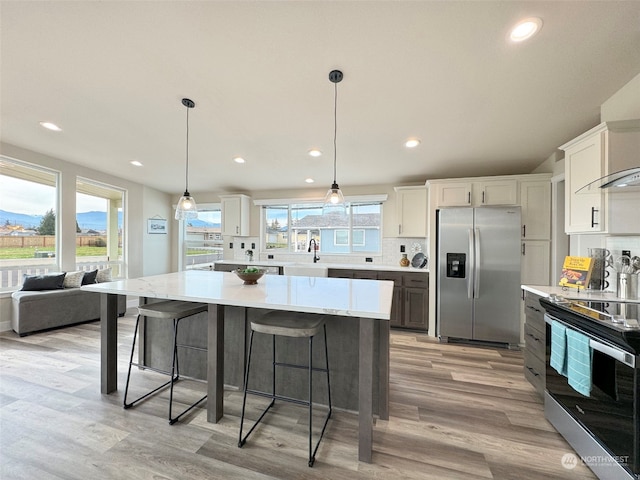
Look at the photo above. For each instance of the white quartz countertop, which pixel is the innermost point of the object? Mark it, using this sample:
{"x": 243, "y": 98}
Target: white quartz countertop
{"x": 575, "y": 294}
{"x": 342, "y": 266}
{"x": 333, "y": 296}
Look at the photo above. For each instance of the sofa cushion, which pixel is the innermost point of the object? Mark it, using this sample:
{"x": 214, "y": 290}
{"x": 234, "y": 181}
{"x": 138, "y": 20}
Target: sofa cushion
{"x": 73, "y": 279}
{"x": 104, "y": 275}
{"x": 89, "y": 277}
{"x": 43, "y": 282}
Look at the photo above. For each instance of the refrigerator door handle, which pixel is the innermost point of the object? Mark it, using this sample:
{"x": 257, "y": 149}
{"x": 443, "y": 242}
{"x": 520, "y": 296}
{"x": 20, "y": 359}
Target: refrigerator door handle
{"x": 476, "y": 265}
{"x": 472, "y": 265}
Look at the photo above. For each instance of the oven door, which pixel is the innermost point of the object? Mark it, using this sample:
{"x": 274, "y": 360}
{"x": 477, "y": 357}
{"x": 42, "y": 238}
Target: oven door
{"x": 610, "y": 413}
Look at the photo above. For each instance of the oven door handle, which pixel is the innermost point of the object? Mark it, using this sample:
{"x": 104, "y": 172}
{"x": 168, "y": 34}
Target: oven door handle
{"x": 619, "y": 355}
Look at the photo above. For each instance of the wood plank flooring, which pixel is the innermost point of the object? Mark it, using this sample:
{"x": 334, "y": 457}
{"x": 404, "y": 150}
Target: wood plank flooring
{"x": 456, "y": 412}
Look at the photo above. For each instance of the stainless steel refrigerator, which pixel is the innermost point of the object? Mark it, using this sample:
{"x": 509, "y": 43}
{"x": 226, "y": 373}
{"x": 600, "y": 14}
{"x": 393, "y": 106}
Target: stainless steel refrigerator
{"x": 478, "y": 263}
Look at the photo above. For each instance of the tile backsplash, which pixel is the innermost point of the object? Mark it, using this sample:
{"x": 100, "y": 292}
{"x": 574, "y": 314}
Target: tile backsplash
{"x": 390, "y": 254}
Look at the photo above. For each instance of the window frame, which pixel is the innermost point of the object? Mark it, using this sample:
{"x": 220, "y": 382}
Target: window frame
{"x": 21, "y": 172}
{"x": 296, "y": 203}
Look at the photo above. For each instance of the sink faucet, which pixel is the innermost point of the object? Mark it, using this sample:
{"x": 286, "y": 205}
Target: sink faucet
{"x": 315, "y": 248}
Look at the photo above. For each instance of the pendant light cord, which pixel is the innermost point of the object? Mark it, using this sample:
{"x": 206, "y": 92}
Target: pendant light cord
{"x": 335, "y": 128}
{"x": 186, "y": 179}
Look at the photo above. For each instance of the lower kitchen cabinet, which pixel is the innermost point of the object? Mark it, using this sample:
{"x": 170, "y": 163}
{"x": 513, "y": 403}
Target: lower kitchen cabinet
{"x": 535, "y": 342}
{"x": 410, "y": 305}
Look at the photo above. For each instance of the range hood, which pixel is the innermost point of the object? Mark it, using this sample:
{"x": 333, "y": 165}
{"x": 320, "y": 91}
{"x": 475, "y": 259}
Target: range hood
{"x": 623, "y": 179}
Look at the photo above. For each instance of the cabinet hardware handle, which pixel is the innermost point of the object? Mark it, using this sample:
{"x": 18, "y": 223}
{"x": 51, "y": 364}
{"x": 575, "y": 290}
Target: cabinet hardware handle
{"x": 533, "y": 308}
{"x": 533, "y": 371}
{"x": 524, "y": 231}
{"x": 482, "y": 197}
{"x": 523, "y": 249}
{"x": 535, "y": 338}
{"x": 399, "y": 229}
{"x": 237, "y": 229}
{"x": 593, "y": 217}
{"x": 469, "y": 197}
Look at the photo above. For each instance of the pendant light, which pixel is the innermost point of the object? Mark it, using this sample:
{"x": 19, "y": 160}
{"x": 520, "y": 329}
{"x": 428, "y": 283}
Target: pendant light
{"x": 186, "y": 208}
{"x": 334, "y": 200}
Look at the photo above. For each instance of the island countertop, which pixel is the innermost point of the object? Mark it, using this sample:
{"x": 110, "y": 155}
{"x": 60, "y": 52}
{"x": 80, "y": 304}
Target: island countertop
{"x": 334, "y": 296}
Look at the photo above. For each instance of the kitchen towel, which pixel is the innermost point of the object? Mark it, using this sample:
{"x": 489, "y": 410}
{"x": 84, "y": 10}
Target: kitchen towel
{"x": 559, "y": 347}
{"x": 579, "y": 362}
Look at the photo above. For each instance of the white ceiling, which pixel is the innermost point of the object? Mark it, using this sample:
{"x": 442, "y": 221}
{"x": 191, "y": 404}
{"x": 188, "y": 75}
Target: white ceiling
{"x": 112, "y": 74}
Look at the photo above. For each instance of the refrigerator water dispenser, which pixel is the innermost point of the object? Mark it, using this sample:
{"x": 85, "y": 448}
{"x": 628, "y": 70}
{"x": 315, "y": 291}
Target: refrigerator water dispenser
{"x": 456, "y": 263}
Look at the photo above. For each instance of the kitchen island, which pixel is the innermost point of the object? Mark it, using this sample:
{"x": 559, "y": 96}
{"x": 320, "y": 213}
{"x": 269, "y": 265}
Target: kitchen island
{"x": 366, "y": 301}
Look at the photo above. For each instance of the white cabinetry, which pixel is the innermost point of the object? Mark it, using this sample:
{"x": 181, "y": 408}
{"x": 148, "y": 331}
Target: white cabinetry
{"x": 534, "y": 262}
{"x": 605, "y": 149}
{"x": 535, "y": 200}
{"x": 496, "y": 192}
{"x": 412, "y": 211}
{"x": 535, "y": 203}
{"x": 454, "y": 194}
{"x": 235, "y": 215}
{"x": 477, "y": 193}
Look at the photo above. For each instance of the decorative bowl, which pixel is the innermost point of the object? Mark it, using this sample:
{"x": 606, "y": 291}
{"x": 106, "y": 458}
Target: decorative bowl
{"x": 250, "y": 276}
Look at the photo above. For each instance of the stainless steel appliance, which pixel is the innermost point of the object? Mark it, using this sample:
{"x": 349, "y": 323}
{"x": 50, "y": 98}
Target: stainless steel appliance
{"x": 478, "y": 281}
{"x": 603, "y": 427}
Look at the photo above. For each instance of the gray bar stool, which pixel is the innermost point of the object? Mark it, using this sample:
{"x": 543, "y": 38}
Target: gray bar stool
{"x": 169, "y": 310}
{"x": 288, "y": 324}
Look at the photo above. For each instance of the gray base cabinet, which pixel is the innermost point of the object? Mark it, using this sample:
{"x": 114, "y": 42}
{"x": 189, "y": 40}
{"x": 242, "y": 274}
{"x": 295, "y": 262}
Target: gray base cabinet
{"x": 410, "y": 305}
{"x": 535, "y": 341}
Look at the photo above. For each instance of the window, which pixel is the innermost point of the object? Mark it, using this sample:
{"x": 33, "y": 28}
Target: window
{"x": 99, "y": 226}
{"x": 28, "y": 221}
{"x": 290, "y": 227}
{"x": 202, "y": 237}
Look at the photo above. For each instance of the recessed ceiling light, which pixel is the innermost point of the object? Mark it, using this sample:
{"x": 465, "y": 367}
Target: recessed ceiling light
{"x": 238, "y": 159}
{"x": 412, "y": 143}
{"x": 314, "y": 152}
{"x": 51, "y": 126}
{"x": 525, "y": 29}
{"x": 309, "y": 180}
{"x": 136, "y": 163}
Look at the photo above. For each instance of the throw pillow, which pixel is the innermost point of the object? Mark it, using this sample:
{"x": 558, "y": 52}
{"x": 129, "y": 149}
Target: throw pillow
{"x": 73, "y": 279}
{"x": 43, "y": 282}
{"x": 89, "y": 277}
{"x": 104, "y": 275}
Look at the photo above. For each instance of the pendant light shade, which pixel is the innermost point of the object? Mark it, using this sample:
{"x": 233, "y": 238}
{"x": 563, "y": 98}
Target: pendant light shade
{"x": 187, "y": 208}
{"x": 334, "y": 200}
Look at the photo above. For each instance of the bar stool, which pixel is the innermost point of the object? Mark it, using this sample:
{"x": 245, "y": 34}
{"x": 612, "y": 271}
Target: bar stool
{"x": 288, "y": 324}
{"x": 169, "y": 310}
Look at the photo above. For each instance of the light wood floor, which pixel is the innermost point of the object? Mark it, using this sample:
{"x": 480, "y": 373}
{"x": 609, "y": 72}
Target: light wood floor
{"x": 457, "y": 412}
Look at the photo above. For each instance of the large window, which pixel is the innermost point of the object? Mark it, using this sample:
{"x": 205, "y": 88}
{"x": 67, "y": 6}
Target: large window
{"x": 99, "y": 226}
{"x": 28, "y": 221}
{"x": 290, "y": 228}
{"x": 202, "y": 237}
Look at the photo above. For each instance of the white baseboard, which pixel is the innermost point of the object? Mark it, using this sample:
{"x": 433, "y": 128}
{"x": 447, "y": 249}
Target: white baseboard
{"x": 5, "y": 326}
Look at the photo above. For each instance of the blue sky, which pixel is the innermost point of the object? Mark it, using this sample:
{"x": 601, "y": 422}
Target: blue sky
{"x": 21, "y": 196}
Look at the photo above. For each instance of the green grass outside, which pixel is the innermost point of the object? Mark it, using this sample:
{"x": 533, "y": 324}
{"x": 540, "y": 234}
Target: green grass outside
{"x": 29, "y": 252}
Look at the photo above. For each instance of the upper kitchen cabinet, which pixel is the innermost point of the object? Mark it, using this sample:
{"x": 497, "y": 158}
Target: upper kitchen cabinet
{"x": 496, "y": 192}
{"x": 235, "y": 215}
{"x": 535, "y": 201}
{"x": 412, "y": 211}
{"x": 605, "y": 149}
{"x": 481, "y": 191}
{"x": 454, "y": 194}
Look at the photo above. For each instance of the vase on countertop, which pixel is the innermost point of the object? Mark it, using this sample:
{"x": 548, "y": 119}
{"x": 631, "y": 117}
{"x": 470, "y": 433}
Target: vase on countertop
{"x": 404, "y": 261}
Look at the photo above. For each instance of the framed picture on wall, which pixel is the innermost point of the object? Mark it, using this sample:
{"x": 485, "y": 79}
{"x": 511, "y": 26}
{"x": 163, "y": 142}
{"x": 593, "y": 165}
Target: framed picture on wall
{"x": 157, "y": 225}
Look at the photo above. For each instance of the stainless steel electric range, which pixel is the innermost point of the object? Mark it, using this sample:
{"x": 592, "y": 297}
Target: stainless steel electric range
{"x": 604, "y": 427}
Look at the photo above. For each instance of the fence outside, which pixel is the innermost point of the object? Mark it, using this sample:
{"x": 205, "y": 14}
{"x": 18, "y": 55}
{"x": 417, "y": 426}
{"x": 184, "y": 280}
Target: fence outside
{"x": 49, "y": 241}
